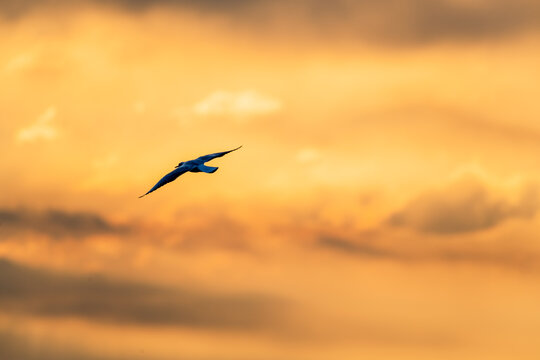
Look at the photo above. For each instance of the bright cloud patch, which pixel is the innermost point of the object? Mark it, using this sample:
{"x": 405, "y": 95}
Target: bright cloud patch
{"x": 245, "y": 103}
{"x": 41, "y": 129}
{"x": 139, "y": 107}
{"x": 307, "y": 155}
{"x": 19, "y": 62}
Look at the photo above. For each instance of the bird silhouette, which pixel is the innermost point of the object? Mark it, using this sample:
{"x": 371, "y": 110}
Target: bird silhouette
{"x": 196, "y": 165}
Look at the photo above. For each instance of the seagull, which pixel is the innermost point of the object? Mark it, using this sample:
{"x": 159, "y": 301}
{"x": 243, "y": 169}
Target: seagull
{"x": 196, "y": 165}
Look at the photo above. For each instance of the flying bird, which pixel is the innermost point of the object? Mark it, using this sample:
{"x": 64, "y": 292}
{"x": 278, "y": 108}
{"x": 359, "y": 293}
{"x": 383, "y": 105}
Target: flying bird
{"x": 196, "y": 165}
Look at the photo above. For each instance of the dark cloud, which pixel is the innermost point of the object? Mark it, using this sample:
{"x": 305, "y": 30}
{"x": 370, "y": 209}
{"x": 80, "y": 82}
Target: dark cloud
{"x": 25, "y": 345}
{"x": 56, "y": 223}
{"x": 19, "y": 347}
{"x": 208, "y": 5}
{"x": 477, "y": 254}
{"x": 468, "y": 205}
{"x": 37, "y": 292}
{"x": 16, "y": 9}
{"x": 355, "y": 248}
{"x": 384, "y": 21}
{"x": 200, "y": 231}
{"x": 517, "y": 260}
{"x": 422, "y": 21}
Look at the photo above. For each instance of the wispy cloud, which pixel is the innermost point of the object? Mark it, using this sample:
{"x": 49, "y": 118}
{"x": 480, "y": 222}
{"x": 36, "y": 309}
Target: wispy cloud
{"x": 351, "y": 247}
{"x": 41, "y": 129}
{"x": 307, "y": 155}
{"x": 425, "y": 251}
{"x": 19, "y": 62}
{"x": 241, "y": 104}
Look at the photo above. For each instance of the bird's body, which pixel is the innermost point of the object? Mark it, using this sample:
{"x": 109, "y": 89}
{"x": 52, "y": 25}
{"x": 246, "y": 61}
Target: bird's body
{"x": 196, "y": 165}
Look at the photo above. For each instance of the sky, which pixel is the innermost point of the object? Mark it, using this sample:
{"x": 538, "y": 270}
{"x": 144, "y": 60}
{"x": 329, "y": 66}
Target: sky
{"x": 384, "y": 203}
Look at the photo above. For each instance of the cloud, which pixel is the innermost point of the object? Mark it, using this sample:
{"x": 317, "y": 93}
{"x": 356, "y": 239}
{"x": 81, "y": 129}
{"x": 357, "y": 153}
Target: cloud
{"x": 189, "y": 232}
{"x": 139, "y": 107}
{"x": 217, "y": 231}
{"x": 242, "y": 104}
{"x": 426, "y": 21}
{"x": 307, "y": 155}
{"x": 465, "y": 206}
{"x": 56, "y": 223}
{"x": 347, "y": 246}
{"x": 424, "y": 251}
{"x": 15, "y": 9}
{"x": 380, "y": 22}
{"x": 41, "y": 129}
{"x": 41, "y": 293}
{"x": 19, "y": 62}
{"x": 14, "y": 345}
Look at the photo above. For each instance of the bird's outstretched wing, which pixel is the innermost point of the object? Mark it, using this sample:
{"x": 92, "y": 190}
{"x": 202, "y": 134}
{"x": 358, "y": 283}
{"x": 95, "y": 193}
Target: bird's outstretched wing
{"x": 168, "y": 178}
{"x": 209, "y": 157}
{"x": 206, "y": 169}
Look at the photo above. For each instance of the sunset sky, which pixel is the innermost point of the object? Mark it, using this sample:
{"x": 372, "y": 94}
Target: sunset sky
{"x": 384, "y": 204}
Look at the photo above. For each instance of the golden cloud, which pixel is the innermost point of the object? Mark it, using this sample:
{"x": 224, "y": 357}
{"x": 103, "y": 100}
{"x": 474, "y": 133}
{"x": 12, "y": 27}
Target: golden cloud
{"x": 239, "y": 104}
{"x": 41, "y": 129}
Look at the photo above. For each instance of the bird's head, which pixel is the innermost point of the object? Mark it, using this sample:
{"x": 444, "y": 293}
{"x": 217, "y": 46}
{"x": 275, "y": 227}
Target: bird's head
{"x": 180, "y": 164}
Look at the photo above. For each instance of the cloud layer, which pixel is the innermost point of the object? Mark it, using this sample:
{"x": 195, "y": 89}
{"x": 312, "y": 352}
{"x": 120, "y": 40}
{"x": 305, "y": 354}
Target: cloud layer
{"x": 56, "y": 223}
{"x": 386, "y": 21}
{"x": 465, "y": 206}
{"x": 20, "y": 347}
{"x": 351, "y": 247}
{"x": 37, "y": 292}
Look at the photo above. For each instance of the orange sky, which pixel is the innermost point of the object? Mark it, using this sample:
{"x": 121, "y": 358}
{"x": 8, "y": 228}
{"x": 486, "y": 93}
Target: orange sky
{"x": 384, "y": 204}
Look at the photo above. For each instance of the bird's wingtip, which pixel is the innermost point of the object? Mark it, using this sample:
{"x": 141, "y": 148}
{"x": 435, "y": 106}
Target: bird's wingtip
{"x": 141, "y": 196}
